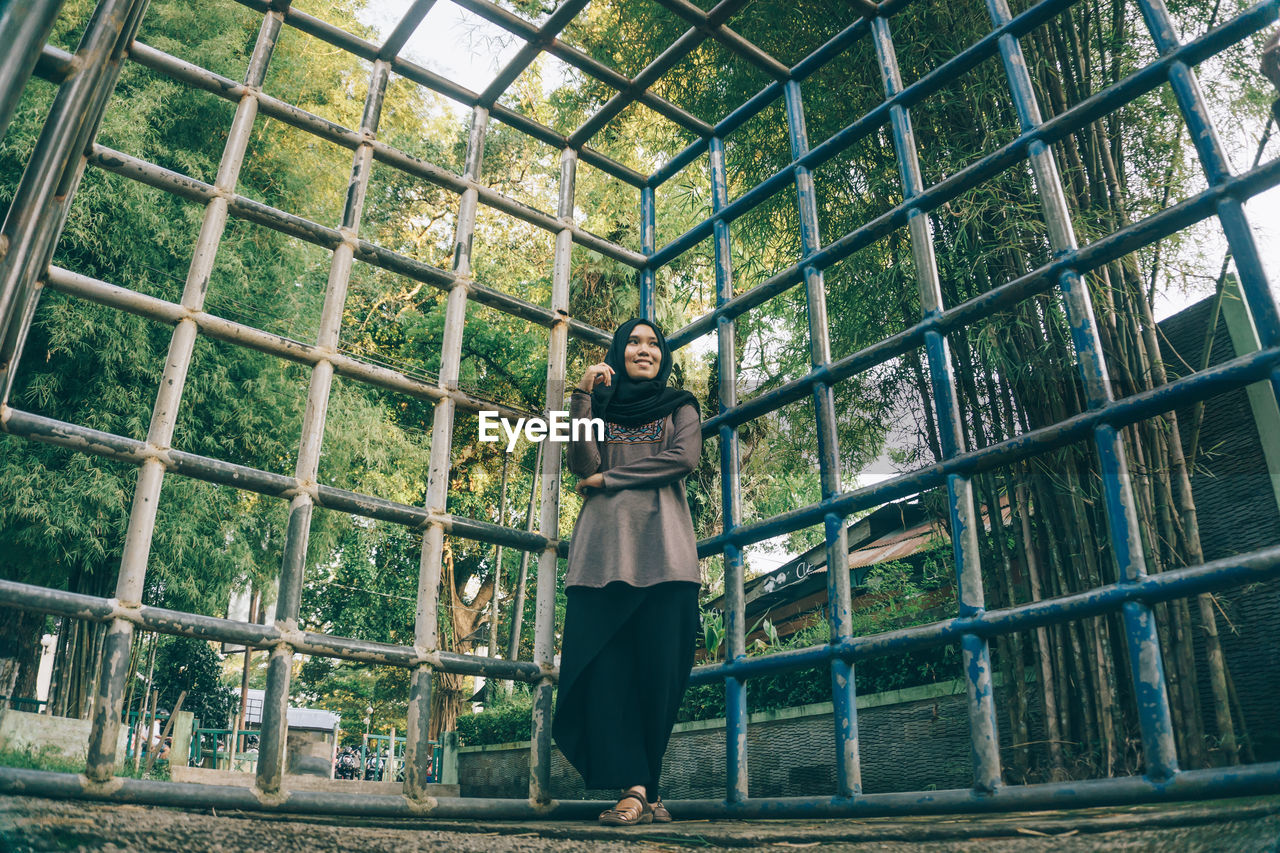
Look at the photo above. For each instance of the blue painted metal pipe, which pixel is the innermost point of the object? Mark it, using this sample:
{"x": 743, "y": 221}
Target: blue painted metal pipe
{"x": 1106, "y": 249}
{"x": 1218, "y": 379}
{"x": 646, "y": 274}
{"x": 931, "y": 83}
{"x": 1060, "y": 126}
{"x": 964, "y": 522}
{"x": 1217, "y": 168}
{"x": 839, "y": 608}
{"x": 1132, "y": 596}
{"x": 1255, "y": 780}
{"x": 752, "y": 107}
{"x": 1146, "y": 667}
{"x": 730, "y": 495}
{"x": 1256, "y": 567}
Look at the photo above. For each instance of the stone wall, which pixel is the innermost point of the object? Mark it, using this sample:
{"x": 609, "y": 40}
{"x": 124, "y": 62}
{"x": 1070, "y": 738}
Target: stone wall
{"x": 65, "y": 737}
{"x": 910, "y": 740}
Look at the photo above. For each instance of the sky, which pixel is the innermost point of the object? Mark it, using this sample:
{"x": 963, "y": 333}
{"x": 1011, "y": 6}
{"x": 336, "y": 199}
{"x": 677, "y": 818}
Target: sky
{"x": 470, "y": 51}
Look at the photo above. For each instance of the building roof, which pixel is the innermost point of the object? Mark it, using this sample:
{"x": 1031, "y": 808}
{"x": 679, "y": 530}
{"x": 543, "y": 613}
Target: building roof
{"x": 893, "y": 532}
{"x": 311, "y": 719}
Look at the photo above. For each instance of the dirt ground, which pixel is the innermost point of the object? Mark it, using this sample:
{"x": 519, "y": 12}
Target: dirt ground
{"x": 1233, "y": 826}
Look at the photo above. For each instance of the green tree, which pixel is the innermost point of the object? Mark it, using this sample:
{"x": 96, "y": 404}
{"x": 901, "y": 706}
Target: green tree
{"x": 185, "y": 663}
{"x": 63, "y": 514}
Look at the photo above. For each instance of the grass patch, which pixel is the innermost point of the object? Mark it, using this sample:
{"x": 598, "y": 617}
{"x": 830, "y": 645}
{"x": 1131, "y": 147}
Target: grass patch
{"x": 49, "y": 758}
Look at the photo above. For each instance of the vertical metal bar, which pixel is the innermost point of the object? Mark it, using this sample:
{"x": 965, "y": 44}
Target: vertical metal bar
{"x": 24, "y": 27}
{"x": 839, "y": 607}
{"x": 964, "y": 523}
{"x": 13, "y": 334}
{"x": 517, "y": 615}
{"x": 275, "y": 701}
{"x": 43, "y": 198}
{"x": 1217, "y": 168}
{"x": 497, "y": 566}
{"x": 730, "y": 491}
{"x": 146, "y": 498}
{"x": 545, "y": 606}
{"x": 417, "y": 768}
{"x": 1145, "y": 660}
{"x": 647, "y": 274}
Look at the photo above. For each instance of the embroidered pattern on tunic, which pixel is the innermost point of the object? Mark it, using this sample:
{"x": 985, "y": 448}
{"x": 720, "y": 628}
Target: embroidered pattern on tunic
{"x": 643, "y": 434}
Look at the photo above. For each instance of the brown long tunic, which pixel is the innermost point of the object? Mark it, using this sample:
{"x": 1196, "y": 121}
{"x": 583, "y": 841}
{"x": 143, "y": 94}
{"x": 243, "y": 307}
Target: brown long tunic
{"x": 637, "y": 529}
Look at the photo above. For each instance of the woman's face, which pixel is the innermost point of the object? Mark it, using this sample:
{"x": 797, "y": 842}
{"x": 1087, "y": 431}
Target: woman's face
{"x": 642, "y": 356}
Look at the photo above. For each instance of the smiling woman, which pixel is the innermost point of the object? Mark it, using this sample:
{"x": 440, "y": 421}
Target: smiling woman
{"x": 632, "y": 585}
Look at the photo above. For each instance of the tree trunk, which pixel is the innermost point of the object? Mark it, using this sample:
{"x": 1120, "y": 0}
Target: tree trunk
{"x": 449, "y": 694}
{"x": 20, "y": 631}
{"x": 1048, "y": 691}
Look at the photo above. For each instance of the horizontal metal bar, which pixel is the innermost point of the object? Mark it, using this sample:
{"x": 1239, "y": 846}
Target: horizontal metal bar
{"x": 54, "y": 64}
{"x": 133, "y": 451}
{"x": 1062, "y": 125}
{"x": 678, "y": 162}
{"x": 404, "y": 29}
{"x": 1218, "y": 379}
{"x": 1115, "y": 245}
{"x": 311, "y": 232}
{"x": 591, "y": 334}
{"x": 1251, "y": 780}
{"x": 1255, "y": 567}
{"x": 90, "y": 608}
{"x": 939, "y": 78}
{"x": 571, "y": 55}
{"x": 153, "y": 308}
{"x": 528, "y": 52}
{"x": 660, "y": 65}
{"x": 492, "y": 198}
{"x": 411, "y": 71}
{"x": 761, "y": 59}
{"x": 834, "y": 46}
{"x": 752, "y": 106}
{"x": 193, "y": 75}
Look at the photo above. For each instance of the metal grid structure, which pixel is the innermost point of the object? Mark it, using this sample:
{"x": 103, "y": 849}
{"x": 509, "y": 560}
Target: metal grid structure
{"x": 67, "y": 146}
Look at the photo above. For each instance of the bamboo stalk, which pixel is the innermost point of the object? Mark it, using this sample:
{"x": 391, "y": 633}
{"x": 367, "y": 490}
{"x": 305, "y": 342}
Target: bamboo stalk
{"x": 134, "y": 653}
{"x": 1048, "y": 691}
{"x": 56, "y": 680}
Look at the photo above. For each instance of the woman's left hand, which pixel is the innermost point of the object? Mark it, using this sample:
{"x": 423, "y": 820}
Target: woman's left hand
{"x": 595, "y": 481}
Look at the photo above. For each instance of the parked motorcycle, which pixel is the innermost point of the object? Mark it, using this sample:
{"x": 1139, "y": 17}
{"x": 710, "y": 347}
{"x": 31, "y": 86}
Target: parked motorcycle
{"x": 373, "y": 768}
{"x": 347, "y": 765}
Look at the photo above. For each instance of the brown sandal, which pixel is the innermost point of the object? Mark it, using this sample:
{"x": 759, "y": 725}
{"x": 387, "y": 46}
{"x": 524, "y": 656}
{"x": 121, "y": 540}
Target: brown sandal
{"x": 660, "y": 813}
{"x": 630, "y": 815}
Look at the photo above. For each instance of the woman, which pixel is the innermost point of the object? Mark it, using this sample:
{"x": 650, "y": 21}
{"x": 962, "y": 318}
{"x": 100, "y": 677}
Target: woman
{"x": 633, "y": 580}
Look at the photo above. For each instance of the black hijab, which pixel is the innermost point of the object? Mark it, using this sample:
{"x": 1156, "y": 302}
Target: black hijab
{"x": 632, "y": 402}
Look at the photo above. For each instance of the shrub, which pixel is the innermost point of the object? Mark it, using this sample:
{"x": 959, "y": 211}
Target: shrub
{"x": 500, "y": 723}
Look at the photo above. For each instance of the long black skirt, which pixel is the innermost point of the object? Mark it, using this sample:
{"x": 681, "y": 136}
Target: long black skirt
{"x": 624, "y": 668}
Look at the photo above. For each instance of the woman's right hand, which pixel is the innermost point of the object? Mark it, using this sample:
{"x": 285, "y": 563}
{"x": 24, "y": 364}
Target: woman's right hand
{"x": 595, "y": 481}
{"x": 594, "y": 375}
